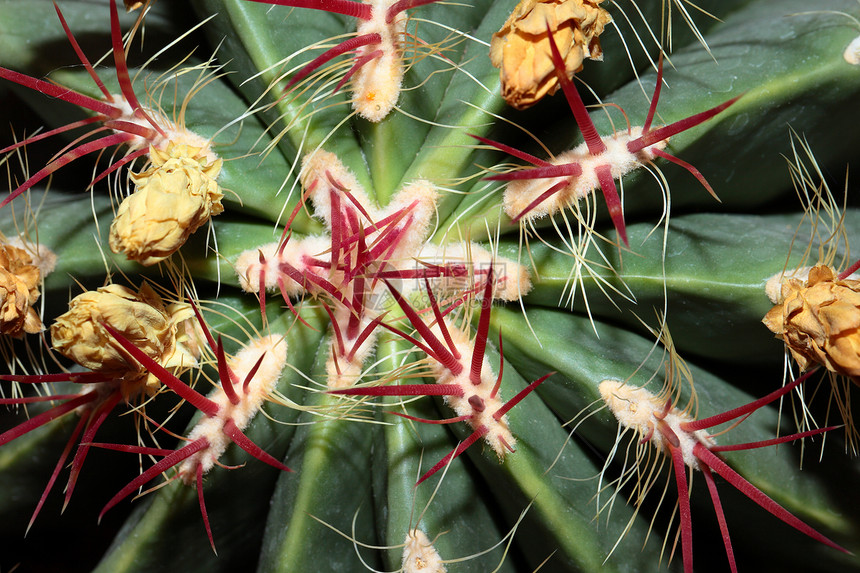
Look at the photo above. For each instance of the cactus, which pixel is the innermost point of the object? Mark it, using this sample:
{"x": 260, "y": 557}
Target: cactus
{"x": 441, "y": 406}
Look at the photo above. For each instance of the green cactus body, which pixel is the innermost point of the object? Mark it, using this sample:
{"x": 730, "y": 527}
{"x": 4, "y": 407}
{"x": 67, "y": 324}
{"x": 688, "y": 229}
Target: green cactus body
{"x": 592, "y": 313}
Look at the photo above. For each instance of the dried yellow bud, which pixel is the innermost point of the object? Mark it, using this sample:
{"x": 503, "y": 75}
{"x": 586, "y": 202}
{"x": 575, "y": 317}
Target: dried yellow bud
{"x": 141, "y": 317}
{"x": 521, "y": 48}
{"x": 174, "y": 197}
{"x": 819, "y": 321}
{"x": 19, "y": 290}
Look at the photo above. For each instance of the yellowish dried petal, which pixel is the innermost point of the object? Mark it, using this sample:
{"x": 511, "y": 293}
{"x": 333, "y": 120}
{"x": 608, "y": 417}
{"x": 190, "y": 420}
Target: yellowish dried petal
{"x": 521, "y": 48}
{"x": 174, "y": 197}
{"x": 43, "y": 258}
{"x": 19, "y": 290}
{"x": 819, "y": 321}
{"x": 141, "y": 317}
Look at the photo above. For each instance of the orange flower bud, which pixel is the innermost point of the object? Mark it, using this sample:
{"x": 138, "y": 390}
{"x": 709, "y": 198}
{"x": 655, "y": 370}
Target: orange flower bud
{"x": 819, "y": 321}
{"x": 521, "y": 48}
{"x": 19, "y": 290}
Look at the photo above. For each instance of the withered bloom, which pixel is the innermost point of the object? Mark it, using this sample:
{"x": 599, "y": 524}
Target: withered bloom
{"x": 174, "y": 197}
{"x": 19, "y": 290}
{"x": 141, "y": 317}
{"x": 521, "y": 48}
{"x": 819, "y": 321}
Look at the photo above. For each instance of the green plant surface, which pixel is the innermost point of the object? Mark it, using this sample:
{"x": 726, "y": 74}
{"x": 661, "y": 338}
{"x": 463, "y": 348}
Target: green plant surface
{"x": 594, "y": 313}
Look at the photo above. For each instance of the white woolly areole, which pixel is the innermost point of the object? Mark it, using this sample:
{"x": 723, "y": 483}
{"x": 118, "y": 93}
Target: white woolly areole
{"x": 261, "y": 386}
{"x": 376, "y": 85}
{"x": 319, "y": 170}
{"x": 248, "y": 265}
{"x": 44, "y": 258}
{"x": 852, "y": 52}
{"x": 172, "y": 132}
{"x": 421, "y": 198}
{"x": 520, "y": 193}
{"x": 511, "y": 279}
{"x": 343, "y": 373}
{"x": 641, "y": 411}
{"x": 498, "y": 432}
{"x": 419, "y": 555}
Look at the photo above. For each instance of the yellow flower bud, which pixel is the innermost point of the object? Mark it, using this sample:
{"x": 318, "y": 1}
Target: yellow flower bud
{"x": 819, "y": 321}
{"x": 19, "y": 290}
{"x": 521, "y": 48}
{"x": 141, "y": 317}
{"x": 174, "y": 197}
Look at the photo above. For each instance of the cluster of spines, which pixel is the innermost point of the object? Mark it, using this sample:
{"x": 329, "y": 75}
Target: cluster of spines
{"x": 685, "y": 440}
{"x": 225, "y": 413}
{"x": 347, "y": 269}
{"x": 98, "y": 397}
{"x": 378, "y": 68}
{"x": 123, "y": 115}
{"x": 596, "y": 163}
{"x": 462, "y": 376}
{"x": 186, "y": 200}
